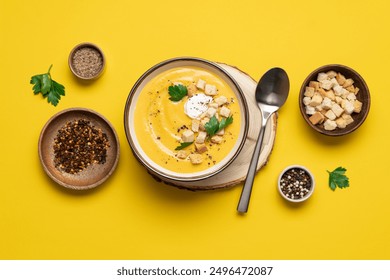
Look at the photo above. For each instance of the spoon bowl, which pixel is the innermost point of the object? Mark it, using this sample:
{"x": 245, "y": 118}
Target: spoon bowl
{"x": 271, "y": 93}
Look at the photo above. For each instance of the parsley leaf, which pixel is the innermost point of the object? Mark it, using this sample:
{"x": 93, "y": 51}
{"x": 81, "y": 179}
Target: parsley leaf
{"x": 183, "y": 145}
{"x": 50, "y": 89}
{"x": 213, "y": 125}
{"x": 177, "y": 92}
{"x": 337, "y": 178}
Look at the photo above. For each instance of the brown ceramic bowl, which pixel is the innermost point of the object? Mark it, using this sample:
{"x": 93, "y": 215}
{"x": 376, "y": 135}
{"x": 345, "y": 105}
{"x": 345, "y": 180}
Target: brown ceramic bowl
{"x": 93, "y": 175}
{"x": 363, "y": 96}
{"x": 87, "y": 61}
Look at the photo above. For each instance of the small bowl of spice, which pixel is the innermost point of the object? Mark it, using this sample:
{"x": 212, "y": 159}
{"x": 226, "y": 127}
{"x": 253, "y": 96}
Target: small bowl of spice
{"x": 78, "y": 148}
{"x": 86, "y": 61}
{"x": 296, "y": 183}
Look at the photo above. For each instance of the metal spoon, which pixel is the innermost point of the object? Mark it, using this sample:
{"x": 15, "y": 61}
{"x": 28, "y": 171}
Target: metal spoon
{"x": 271, "y": 93}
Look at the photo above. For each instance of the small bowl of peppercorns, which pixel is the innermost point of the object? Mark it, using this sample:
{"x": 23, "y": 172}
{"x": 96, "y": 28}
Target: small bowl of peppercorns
{"x": 296, "y": 183}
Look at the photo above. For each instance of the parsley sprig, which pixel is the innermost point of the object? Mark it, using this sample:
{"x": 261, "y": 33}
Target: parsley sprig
{"x": 50, "y": 89}
{"x": 337, "y": 178}
{"x": 213, "y": 125}
{"x": 183, "y": 145}
{"x": 177, "y": 92}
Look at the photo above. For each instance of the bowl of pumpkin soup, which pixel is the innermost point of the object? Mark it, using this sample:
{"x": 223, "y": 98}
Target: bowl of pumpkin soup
{"x": 186, "y": 119}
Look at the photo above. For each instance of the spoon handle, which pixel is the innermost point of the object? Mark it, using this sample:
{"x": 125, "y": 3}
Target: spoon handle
{"x": 247, "y": 189}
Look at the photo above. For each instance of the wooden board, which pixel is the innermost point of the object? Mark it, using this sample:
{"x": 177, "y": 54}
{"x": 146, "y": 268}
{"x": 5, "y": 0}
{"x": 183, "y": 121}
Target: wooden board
{"x": 236, "y": 172}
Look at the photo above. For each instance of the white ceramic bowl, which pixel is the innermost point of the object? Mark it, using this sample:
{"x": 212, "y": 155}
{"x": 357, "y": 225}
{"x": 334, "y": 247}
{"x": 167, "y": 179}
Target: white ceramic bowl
{"x": 153, "y": 167}
{"x": 306, "y": 195}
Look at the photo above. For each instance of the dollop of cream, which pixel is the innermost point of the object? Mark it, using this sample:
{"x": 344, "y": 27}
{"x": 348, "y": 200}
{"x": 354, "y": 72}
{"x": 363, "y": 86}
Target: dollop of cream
{"x": 196, "y": 105}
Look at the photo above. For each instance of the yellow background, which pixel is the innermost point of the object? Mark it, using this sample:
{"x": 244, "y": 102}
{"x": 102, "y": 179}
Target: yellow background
{"x": 133, "y": 217}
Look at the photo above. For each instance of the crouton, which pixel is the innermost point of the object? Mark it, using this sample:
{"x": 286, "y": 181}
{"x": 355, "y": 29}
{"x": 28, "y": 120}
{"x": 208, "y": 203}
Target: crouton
{"x": 357, "y": 106}
{"x": 182, "y": 154}
{"x": 224, "y": 112}
{"x": 309, "y": 92}
{"x": 330, "y": 115}
{"x": 317, "y": 118}
{"x": 316, "y": 100}
{"x": 347, "y": 118}
{"x": 210, "y": 112}
{"x": 191, "y": 89}
{"x": 210, "y": 89}
{"x": 330, "y": 125}
{"x": 200, "y": 148}
{"x": 195, "y": 125}
{"x": 201, "y": 137}
{"x": 216, "y": 139}
{"x": 196, "y": 158}
{"x": 188, "y": 136}
{"x": 337, "y": 110}
{"x": 201, "y": 84}
{"x": 348, "y": 82}
{"x": 340, "y": 79}
{"x": 322, "y": 76}
{"x": 314, "y": 84}
{"x": 221, "y": 100}
{"x": 341, "y": 123}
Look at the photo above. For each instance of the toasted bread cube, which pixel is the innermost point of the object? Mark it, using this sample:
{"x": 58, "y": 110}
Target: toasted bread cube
{"x": 341, "y": 123}
{"x": 316, "y": 100}
{"x": 195, "y": 125}
{"x": 224, "y": 111}
{"x": 317, "y": 118}
{"x": 191, "y": 89}
{"x": 216, "y": 139}
{"x": 309, "y": 92}
{"x": 210, "y": 112}
{"x": 201, "y": 137}
{"x": 221, "y": 100}
{"x": 330, "y": 115}
{"x": 331, "y": 74}
{"x": 310, "y": 110}
{"x": 201, "y": 84}
{"x": 351, "y": 96}
{"x": 188, "y": 136}
{"x": 220, "y": 132}
{"x": 200, "y": 148}
{"x": 326, "y": 84}
{"x": 214, "y": 105}
{"x": 182, "y": 154}
{"x": 347, "y": 118}
{"x": 210, "y": 89}
{"x": 357, "y": 106}
{"x": 340, "y": 79}
{"x": 306, "y": 100}
{"x": 330, "y": 94}
{"x": 326, "y": 103}
{"x": 356, "y": 90}
{"x": 348, "y": 107}
{"x": 348, "y": 82}
{"x": 202, "y": 123}
{"x": 339, "y": 90}
{"x": 337, "y": 110}
{"x": 330, "y": 125}
{"x": 322, "y": 76}
{"x": 314, "y": 84}
{"x": 351, "y": 88}
{"x": 338, "y": 99}
{"x": 196, "y": 158}
{"x": 321, "y": 91}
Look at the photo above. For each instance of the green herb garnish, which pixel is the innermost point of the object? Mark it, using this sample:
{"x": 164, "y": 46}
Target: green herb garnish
{"x": 177, "y": 92}
{"x": 50, "y": 89}
{"x": 183, "y": 145}
{"x": 337, "y": 178}
{"x": 213, "y": 125}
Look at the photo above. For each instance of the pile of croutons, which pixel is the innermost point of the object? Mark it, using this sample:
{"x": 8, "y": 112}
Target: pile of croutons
{"x": 218, "y": 107}
{"x": 331, "y": 100}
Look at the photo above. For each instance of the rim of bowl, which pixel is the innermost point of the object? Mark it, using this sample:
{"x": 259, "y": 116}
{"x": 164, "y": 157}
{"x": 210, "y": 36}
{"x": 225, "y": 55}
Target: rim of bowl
{"x": 312, "y": 183}
{"x": 346, "y": 130}
{"x": 86, "y": 45}
{"x": 186, "y": 177}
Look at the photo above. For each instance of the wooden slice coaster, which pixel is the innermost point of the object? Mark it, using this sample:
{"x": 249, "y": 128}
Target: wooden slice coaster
{"x": 236, "y": 172}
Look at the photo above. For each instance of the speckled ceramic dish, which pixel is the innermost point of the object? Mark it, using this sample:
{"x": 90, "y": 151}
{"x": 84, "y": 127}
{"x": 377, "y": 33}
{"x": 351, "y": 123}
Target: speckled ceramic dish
{"x": 93, "y": 175}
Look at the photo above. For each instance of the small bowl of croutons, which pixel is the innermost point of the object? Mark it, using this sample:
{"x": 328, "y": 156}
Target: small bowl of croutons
{"x": 334, "y": 100}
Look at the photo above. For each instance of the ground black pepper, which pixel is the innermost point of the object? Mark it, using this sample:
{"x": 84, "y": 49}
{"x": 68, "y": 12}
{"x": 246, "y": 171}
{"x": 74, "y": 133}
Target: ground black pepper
{"x": 295, "y": 183}
{"x": 79, "y": 144}
{"x": 87, "y": 62}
